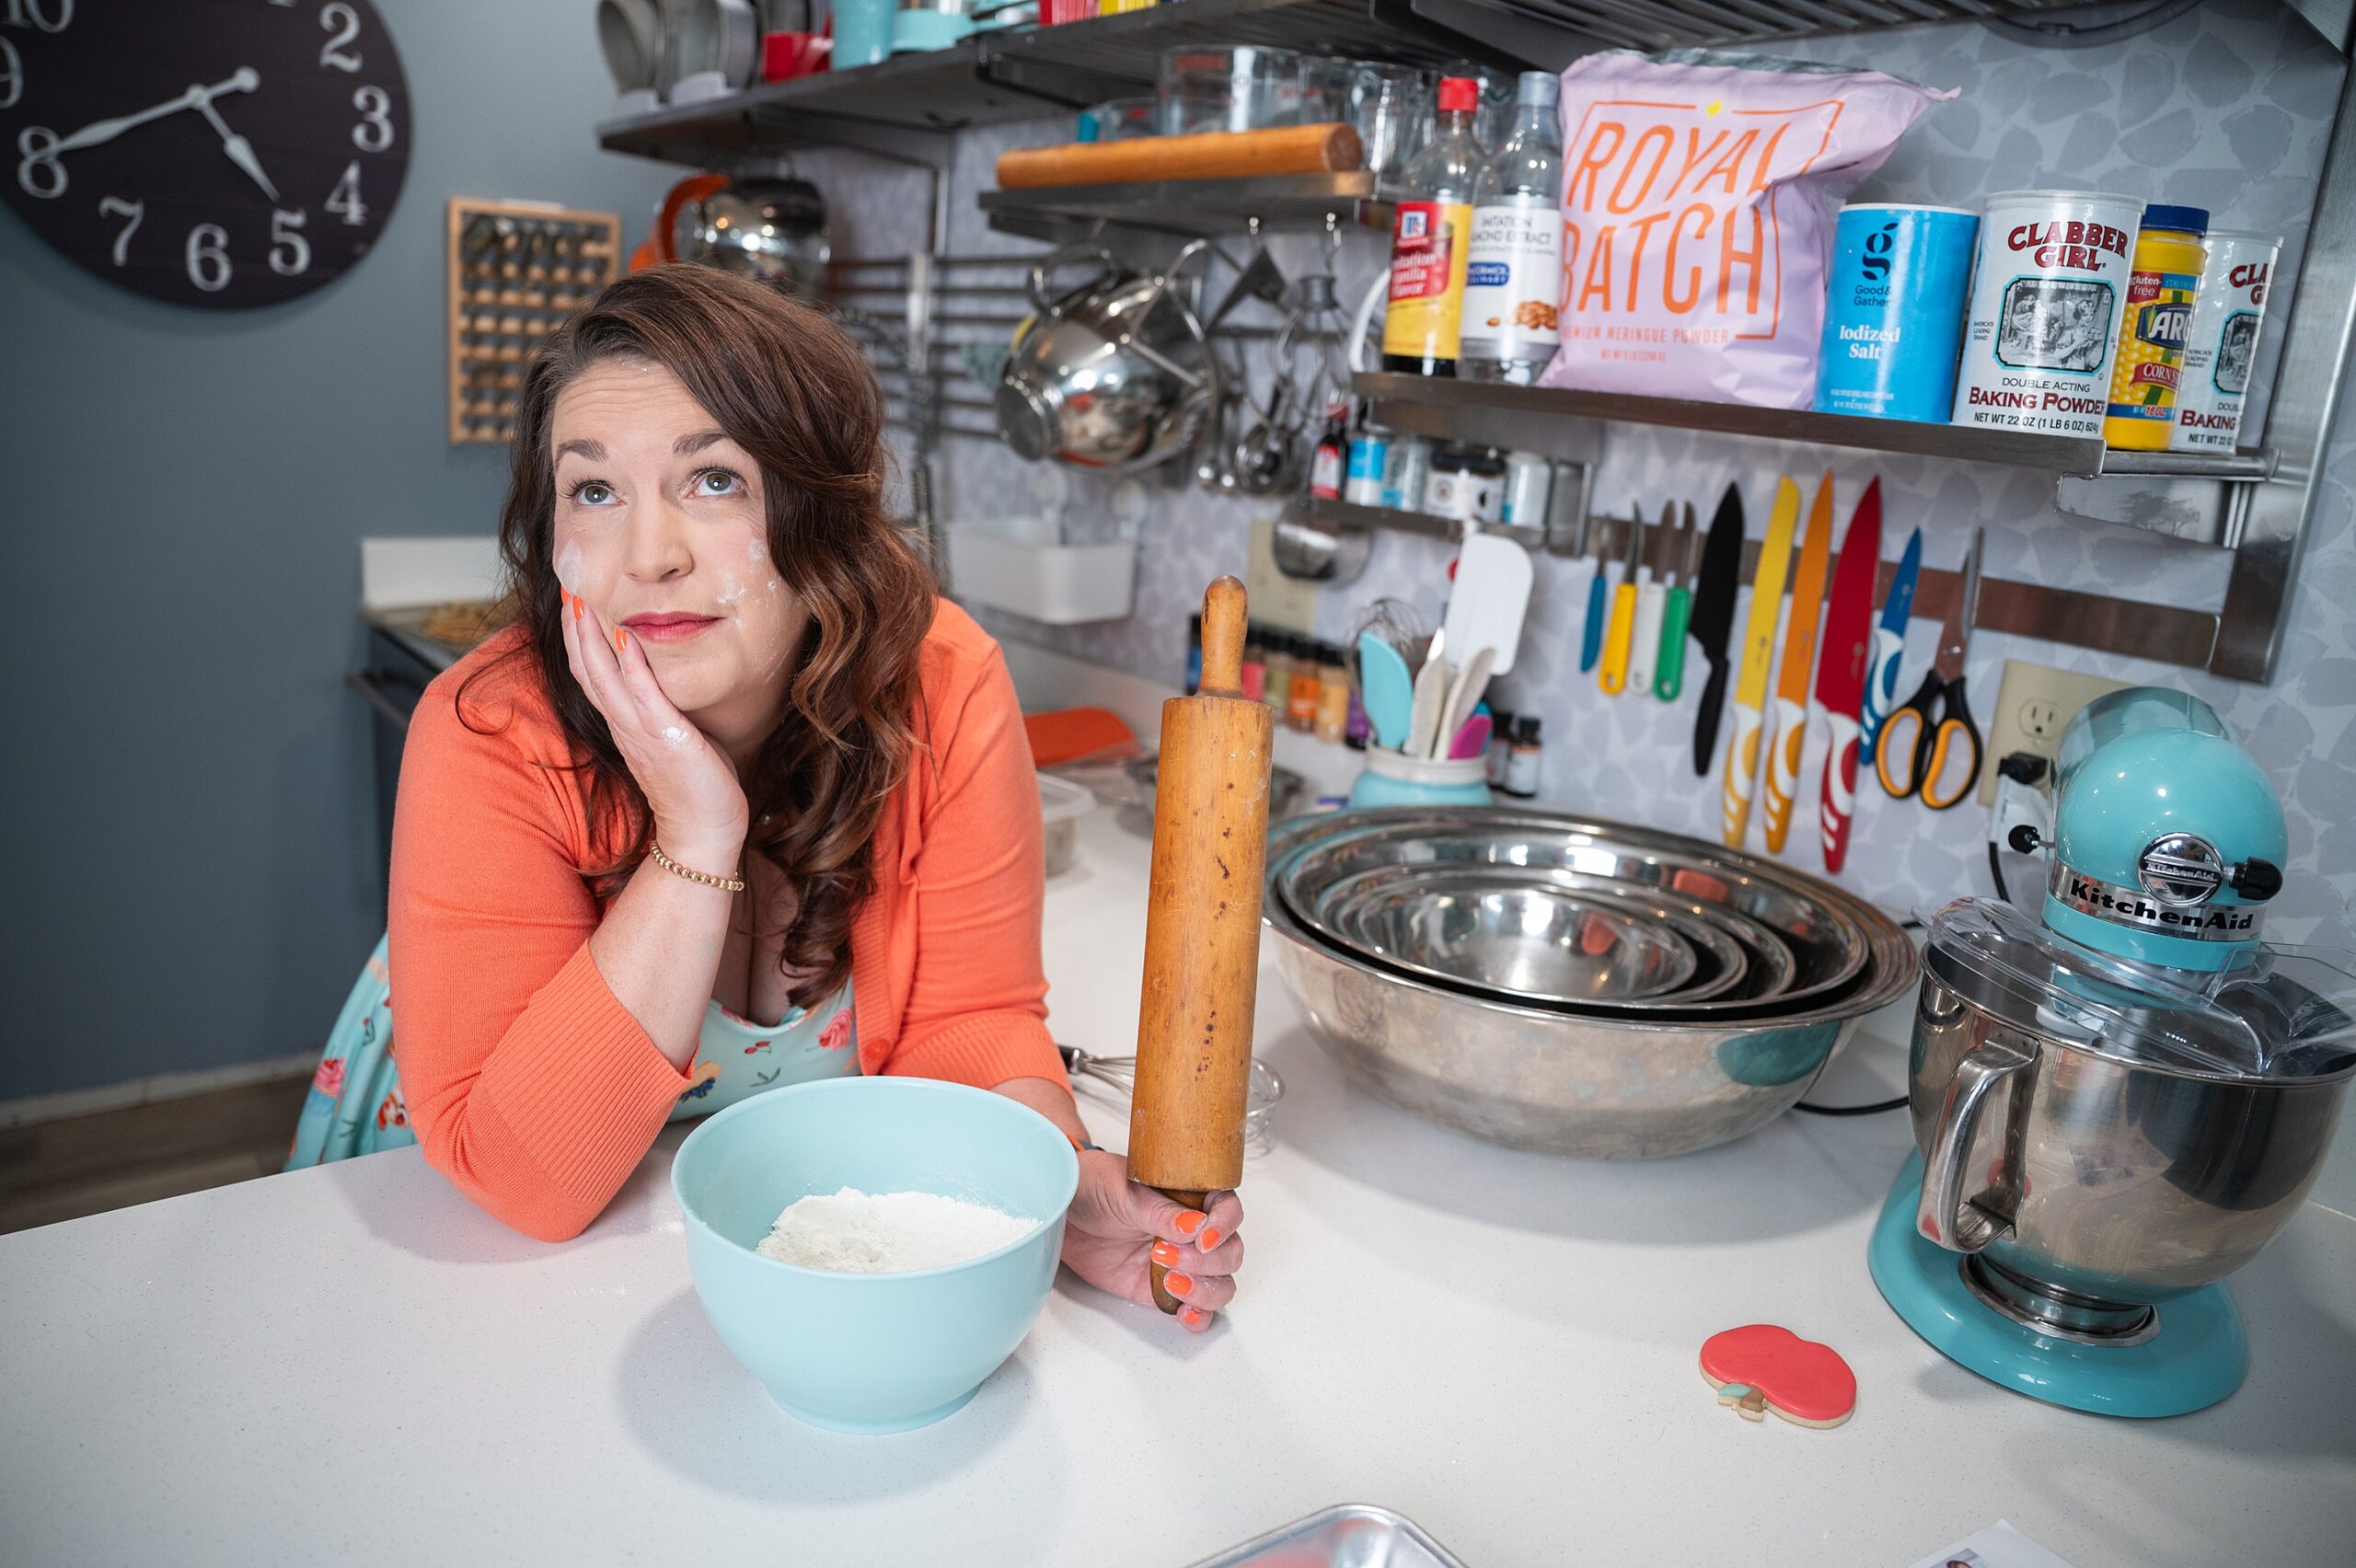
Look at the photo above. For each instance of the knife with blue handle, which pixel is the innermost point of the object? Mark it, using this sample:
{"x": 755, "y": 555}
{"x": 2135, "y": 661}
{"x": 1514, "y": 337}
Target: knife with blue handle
{"x": 1591, "y": 636}
{"x": 1889, "y": 645}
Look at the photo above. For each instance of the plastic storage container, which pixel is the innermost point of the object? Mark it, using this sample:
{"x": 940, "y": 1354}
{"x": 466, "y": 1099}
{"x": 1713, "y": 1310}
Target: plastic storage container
{"x": 1054, "y": 584}
{"x": 1061, "y": 805}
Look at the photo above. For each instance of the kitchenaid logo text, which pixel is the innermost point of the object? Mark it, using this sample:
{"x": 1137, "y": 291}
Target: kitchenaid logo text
{"x": 2127, "y": 908}
{"x": 2068, "y": 243}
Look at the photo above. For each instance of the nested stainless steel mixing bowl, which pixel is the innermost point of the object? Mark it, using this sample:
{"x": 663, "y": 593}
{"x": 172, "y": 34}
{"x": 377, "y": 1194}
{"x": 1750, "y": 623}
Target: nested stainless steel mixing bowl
{"x": 1614, "y": 1088}
{"x": 1769, "y": 906}
{"x": 1551, "y": 937}
{"x": 2092, "y": 1173}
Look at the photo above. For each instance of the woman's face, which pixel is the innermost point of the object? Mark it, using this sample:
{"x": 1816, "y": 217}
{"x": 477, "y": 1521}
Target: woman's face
{"x": 661, "y": 527}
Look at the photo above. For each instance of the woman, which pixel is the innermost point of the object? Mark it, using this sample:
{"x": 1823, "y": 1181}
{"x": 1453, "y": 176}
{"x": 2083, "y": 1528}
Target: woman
{"x": 738, "y": 802}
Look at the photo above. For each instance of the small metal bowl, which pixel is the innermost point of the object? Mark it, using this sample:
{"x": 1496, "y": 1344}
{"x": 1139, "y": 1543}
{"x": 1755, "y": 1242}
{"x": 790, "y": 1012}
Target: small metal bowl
{"x": 1740, "y": 959}
{"x": 1529, "y": 937}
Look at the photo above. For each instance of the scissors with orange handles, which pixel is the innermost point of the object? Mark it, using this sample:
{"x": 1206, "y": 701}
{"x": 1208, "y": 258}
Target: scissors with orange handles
{"x": 1929, "y": 745}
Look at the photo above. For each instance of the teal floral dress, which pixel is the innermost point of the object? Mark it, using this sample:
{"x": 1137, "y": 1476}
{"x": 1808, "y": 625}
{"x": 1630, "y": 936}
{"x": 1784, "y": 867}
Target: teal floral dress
{"x": 355, "y": 1105}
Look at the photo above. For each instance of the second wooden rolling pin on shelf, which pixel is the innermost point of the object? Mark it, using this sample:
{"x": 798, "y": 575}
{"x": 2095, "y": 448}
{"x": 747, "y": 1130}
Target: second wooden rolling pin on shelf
{"x": 1202, "y": 930}
{"x": 1216, "y": 154}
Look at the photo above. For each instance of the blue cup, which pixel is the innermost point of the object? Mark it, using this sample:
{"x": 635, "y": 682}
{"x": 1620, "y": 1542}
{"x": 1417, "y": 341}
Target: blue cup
{"x": 874, "y": 1352}
{"x": 863, "y": 31}
{"x": 1391, "y": 779}
{"x": 914, "y": 31}
{"x": 1893, "y": 312}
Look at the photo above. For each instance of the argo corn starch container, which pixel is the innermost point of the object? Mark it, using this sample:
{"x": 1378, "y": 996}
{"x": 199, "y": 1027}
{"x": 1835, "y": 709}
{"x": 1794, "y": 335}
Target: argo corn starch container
{"x": 2154, "y": 326}
{"x": 2223, "y": 345}
{"x": 2046, "y": 294}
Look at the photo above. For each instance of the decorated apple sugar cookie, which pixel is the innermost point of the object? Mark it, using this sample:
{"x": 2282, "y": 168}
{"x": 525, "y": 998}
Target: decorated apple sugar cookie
{"x": 1760, "y": 1367}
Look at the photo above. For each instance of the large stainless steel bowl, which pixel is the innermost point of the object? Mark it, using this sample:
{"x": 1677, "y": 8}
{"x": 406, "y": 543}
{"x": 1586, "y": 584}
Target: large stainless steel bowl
{"x": 1548, "y": 936}
{"x": 1539, "y": 1078}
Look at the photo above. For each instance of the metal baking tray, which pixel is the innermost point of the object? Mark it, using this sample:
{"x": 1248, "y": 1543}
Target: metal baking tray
{"x": 1348, "y": 1534}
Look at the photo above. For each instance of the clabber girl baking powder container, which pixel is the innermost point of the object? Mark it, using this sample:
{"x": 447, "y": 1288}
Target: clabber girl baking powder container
{"x": 2222, "y": 346}
{"x": 2046, "y": 294}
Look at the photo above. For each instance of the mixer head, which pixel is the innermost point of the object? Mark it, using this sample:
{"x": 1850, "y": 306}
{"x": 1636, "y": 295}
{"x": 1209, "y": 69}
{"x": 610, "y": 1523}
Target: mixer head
{"x": 2167, "y": 839}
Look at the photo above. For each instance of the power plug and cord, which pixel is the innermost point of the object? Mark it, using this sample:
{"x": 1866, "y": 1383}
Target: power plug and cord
{"x": 2021, "y": 820}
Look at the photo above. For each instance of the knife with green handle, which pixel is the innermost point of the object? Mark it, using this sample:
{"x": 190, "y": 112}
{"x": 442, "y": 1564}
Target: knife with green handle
{"x": 1669, "y": 677}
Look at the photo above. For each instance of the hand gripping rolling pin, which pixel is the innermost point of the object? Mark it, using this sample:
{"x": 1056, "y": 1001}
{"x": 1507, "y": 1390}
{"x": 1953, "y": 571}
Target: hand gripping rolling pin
{"x": 1202, "y": 929}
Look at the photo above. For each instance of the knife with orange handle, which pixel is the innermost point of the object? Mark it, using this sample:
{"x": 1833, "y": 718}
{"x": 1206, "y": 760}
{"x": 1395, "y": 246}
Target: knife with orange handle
{"x": 1758, "y": 653}
{"x": 1841, "y": 672}
{"x": 1620, "y": 636}
{"x": 1800, "y": 662}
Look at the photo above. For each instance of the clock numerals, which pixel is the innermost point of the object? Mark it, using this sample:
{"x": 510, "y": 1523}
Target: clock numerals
{"x": 344, "y": 199}
{"x": 12, "y": 74}
{"x": 374, "y": 131}
{"x": 39, "y": 172}
{"x": 208, "y": 258}
{"x": 48, "y": 15}
{"x": 344, "y": 23}
{"x": 290, "y": 253}
{"x": 116, "y": 207}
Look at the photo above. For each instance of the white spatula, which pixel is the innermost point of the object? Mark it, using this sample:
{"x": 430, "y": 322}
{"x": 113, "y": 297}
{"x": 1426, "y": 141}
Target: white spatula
{"x": 1432, "y": 683}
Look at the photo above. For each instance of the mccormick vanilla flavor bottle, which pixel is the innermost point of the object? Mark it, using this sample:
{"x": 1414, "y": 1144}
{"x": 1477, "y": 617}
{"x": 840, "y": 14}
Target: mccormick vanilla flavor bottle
{"x": 1513, "y": 277}
{"x": 1428, "y": 229}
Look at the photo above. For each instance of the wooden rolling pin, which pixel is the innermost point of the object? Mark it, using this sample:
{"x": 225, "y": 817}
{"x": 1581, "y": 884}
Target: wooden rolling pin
{"x": 1202, "y": 929}
{"x": 1214, "y": 154}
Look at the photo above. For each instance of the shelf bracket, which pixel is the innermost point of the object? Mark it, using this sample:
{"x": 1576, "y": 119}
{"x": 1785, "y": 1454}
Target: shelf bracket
{"x": 2299, "y": 418}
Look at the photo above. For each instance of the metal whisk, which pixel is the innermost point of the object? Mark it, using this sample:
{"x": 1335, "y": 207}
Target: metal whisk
{"x": 1121, "y": 1072}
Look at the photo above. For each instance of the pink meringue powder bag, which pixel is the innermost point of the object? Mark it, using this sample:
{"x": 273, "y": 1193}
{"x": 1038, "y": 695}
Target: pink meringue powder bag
{"x": 1699, "y": 193}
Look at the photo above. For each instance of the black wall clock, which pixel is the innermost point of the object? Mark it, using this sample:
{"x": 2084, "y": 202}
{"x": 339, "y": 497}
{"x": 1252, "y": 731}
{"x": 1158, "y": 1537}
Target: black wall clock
{"x": 219, "y": 153}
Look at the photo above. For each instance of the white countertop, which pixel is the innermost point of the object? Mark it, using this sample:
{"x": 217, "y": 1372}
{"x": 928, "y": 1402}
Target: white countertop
{"x": 352, "y": 1365}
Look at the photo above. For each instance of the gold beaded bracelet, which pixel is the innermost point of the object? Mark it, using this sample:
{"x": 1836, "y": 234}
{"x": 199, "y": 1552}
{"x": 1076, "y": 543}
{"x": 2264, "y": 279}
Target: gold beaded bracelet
{"x": 725, "y": 885}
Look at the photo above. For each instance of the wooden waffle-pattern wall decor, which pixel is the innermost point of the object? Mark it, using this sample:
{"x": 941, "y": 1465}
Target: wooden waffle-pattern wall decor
{"x": 517, "y": 270}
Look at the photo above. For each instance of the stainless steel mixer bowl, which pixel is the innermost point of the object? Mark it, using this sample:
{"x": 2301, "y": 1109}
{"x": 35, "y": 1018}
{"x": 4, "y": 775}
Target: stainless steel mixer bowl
{"x": 1537, "y": 1078}
{"x": 2122, "y": 1181}
{"x": 1542, "y": 937}
{"x": 1807, "y": 916}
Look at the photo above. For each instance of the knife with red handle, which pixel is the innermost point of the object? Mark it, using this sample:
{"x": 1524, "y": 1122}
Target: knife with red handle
{"x": 1841, "y": 668}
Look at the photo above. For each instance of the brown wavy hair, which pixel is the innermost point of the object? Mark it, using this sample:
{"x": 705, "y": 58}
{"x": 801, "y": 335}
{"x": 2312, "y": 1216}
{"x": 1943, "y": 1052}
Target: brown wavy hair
{"x": 791, "y": 389}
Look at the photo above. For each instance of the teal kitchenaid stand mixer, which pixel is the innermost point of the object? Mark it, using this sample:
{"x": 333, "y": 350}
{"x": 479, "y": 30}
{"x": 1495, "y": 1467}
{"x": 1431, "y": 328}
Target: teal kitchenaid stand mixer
{"x": 2118, "y": 1105}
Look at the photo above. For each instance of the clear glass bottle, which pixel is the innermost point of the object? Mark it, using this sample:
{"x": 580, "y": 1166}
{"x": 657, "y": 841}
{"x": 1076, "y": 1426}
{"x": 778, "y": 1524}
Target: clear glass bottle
{"x": 1430, "y": 226}
{"x": 1513, "y": 286}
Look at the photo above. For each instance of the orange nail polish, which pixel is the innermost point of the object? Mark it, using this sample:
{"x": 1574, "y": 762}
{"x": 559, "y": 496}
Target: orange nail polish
{"x": 1193, "y": 1318}
{"x": 621, "y": 639}
{"x": 1190, "y": 1222}
{"x": 1210, "y": 1238}
{"x": 1178, "y": 1283}
{"x": 577, "y": 603}
{"x": 1165, "y": 1254}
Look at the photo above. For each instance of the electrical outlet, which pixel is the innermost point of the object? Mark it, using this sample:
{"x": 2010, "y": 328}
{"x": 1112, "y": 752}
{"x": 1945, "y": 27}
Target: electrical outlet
{"x": 1276, "y": 599}
{"x": 2034, "y": 704}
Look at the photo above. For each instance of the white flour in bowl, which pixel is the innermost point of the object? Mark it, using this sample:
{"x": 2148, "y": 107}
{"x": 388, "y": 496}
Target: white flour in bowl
{"x": 856, "y": 1232}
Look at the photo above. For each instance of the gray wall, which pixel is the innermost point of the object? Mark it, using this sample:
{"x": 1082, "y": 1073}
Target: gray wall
{"x": 184, "y": 782}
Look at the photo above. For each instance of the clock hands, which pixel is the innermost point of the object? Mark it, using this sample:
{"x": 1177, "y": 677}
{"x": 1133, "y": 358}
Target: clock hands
{"x": 99, "y": 131}
{"x": 240, "y": 151}
{"x": 245, "y": 79}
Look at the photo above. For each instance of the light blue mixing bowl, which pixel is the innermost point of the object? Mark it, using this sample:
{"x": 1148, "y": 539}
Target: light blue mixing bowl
{"x": 886, "y": 1352}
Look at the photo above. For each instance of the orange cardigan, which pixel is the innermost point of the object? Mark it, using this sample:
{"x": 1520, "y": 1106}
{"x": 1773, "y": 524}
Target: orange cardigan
{"x": 529, "y": 1084}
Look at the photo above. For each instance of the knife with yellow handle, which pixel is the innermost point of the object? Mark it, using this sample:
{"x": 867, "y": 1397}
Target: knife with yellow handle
{"x": 1620, "y": 635}
{"x": 1758, "y": 649}
{"x": 1800, "y": 662}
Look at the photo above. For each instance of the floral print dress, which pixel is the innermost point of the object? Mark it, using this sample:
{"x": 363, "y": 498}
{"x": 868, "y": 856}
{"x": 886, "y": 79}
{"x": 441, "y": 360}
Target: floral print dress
{"x": 355, "y": 1105}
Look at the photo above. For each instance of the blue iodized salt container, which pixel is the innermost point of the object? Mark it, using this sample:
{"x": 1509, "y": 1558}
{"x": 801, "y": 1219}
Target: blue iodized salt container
{"x": 1893, "y": 315}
